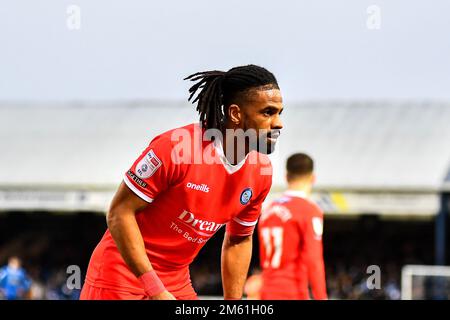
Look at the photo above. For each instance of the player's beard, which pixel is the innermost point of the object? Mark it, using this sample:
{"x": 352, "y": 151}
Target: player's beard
{"x": 265, "y": 141}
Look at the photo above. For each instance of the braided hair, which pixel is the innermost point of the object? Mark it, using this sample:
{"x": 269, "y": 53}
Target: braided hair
{"x": 216, "y": 90}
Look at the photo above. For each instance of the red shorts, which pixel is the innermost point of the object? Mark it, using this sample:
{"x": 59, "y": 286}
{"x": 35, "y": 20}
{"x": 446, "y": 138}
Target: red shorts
{"x": 95, "y": 293}
{"x": 90, "y": 292}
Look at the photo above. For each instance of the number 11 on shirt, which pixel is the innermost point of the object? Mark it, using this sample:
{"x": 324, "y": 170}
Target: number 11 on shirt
{"x": 273, "y": 244}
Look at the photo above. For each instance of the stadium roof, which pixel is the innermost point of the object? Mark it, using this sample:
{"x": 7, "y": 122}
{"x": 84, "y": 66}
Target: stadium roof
{"x": 400, "y": 146}
{"x": 373, "y": 145}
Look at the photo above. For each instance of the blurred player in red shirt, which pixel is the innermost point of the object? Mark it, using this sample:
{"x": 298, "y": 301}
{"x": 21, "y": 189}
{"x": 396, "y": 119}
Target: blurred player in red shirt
{"x": 252, "y": 288}
{"x": 290, "y": 236}
{"x": 187, "y": 184}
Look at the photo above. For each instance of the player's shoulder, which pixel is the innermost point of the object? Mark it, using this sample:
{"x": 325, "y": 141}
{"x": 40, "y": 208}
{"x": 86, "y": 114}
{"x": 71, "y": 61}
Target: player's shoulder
{"x": 173, "y": 136}
{"x": 178, "y": 141}
{"x": 281, "y": 200}
{"x": 311, "y": 208}
{"x": 282, "y": 203}
{"x": 276, "y": 207}
{"x": 301, "y": 205}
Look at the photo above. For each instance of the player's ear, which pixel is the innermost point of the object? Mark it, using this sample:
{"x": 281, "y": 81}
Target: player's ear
{"x": 234, "y": 114}
{"x": 313, "y": 178}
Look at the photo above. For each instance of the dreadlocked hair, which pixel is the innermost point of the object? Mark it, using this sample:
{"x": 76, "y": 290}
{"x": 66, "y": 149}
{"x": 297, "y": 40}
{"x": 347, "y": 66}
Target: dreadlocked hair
{"x": 216, "y": 90}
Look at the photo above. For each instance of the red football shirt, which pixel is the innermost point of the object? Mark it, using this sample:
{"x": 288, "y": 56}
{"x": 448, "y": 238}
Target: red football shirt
{"x": 290, "y": 235}
{"x": 193, "y": 192}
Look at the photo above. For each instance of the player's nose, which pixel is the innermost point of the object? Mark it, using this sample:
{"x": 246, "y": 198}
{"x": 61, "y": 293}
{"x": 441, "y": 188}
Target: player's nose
{"x": 277, "y": 123}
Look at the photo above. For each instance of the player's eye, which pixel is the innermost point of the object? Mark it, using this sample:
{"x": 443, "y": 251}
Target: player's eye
{"x": 268, "y": 112}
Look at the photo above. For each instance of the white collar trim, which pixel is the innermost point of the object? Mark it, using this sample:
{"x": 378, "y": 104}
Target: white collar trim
{"x": 228, "y": 166}
{"x": 296, "y": 193}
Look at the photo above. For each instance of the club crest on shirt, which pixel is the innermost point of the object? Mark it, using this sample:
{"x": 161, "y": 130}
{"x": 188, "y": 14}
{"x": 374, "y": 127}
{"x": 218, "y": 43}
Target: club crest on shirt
{"x": 148, "y": 165}
{"x": 246, "y": 195}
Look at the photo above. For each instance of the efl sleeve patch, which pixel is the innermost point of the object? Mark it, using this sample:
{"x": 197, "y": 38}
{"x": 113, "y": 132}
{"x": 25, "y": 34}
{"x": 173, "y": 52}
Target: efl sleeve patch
{"x": 152, "y": 172}
{"x": 317, "y": 224}
{"x": 148, "y": 165}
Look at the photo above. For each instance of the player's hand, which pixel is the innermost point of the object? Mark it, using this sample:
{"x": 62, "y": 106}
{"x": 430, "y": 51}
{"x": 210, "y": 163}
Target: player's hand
{"x": 165, "y": 295}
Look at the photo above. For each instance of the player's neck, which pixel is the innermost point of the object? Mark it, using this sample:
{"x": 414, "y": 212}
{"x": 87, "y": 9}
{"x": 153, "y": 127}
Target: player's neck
{"x": 235, "y": 155}
{"x": 300, "y": 186}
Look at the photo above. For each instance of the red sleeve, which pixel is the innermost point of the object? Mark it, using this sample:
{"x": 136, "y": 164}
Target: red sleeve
{"x": 154, "y": 170}
{"x": 312, "y": 250}
{"x": 244, "y": 223}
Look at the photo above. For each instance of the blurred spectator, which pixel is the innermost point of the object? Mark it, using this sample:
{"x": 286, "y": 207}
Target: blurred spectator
{"x": 48, "y": 244}
{"x": 14, "y": 282}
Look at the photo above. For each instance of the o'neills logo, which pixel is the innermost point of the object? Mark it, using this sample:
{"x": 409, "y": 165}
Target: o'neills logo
{"x": 200, "y": 187}
{"x": 198, "y": 224}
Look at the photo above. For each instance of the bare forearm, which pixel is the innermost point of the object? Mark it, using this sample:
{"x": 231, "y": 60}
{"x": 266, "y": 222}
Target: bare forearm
{"x": 127, "y": 236}
{"x": 236, "y": 255}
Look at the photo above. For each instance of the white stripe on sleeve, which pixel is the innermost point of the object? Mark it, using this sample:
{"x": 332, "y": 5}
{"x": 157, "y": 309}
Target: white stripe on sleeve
{"x": 140, "y": 194}
{"x": 245, "y": 223}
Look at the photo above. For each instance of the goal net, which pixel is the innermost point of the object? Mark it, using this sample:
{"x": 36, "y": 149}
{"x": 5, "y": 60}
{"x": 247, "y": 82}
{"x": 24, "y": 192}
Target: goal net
{"x": 425, "y": 282}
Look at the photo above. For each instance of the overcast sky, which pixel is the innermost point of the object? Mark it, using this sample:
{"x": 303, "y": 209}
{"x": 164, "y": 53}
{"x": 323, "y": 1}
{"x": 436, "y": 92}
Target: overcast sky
{"x": 142, "y": 49}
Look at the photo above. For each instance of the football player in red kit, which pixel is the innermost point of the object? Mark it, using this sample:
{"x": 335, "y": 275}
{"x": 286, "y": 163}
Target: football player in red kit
{"x": 187, "y": 184}
{"x": 290, "y": 235}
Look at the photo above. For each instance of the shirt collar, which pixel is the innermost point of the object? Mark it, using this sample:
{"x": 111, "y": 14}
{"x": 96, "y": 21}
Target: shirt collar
{"x": 296, "y": 193}
{"x": 228, "y": 166}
